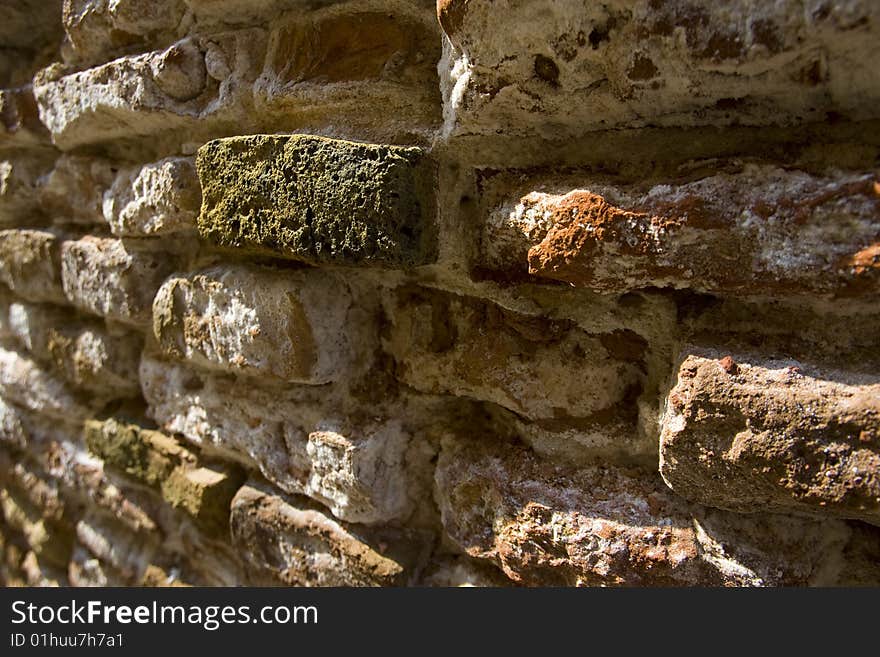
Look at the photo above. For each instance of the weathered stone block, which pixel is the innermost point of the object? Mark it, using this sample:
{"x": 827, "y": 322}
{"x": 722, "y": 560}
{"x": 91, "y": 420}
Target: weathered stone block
{"x": 72, "y": 192}
{"x": 536, "y": 367}
{"x": 364, "y": 471}
{"x": 319, "y": 200}
{"x": 23, "y": 382}
{"x": 349, "y": 65}
{"x": 554, "y": 525}
{"x": 759, "y": 231}
{"x": 101, "y": 361}
{"x": 97, "y": 30}
{"x": 29, "y": 264}
{"x": 204, "y": 493}
{"x": 87, "y": 354}
{"x": 160, "y": 461}
{"x": 146, "y": 455}
{"x": 367, "y": 69}
{"x": 11, "y": 430}
{"x": 157, "y": 198}
{"x": 196, "y": 86}
{"x": 32, "y": 487}
{"x": 127, "y": 552}
{"x": 294, "y": 326}
{"x": 112, "y": 278}
{"x": 610, "y": 435}
{"x": 19, "y": 187}
{"x": 298, "y": 545}
{"x": 559, "y": 69}
{"x": 56, "y": 450}
{"x": 50, "y": 442}
{"x": 752, "y": 434}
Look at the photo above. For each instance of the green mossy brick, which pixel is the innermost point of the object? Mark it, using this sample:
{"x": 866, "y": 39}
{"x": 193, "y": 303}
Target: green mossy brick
{"x": 205, "y": 494}
{"x": 160, "y": 462}
{"x": 146, "y": 455}
{"x": 319, "y": 200}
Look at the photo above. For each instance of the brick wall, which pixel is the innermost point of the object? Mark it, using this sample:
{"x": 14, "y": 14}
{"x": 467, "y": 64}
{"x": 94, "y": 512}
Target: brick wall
{"x": 378, "y": 292}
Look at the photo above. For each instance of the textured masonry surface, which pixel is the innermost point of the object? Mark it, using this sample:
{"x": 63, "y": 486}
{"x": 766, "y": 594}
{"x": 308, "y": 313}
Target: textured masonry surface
{"x": 405, "y": 293}
{"x": 318, "y": 200}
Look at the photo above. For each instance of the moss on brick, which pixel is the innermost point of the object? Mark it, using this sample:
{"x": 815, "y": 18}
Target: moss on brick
{"x": 319, "y": 200}
{"x": 160, "y": 462}
{"x": 143, "y": 454}
{"x": 204, "y": 493}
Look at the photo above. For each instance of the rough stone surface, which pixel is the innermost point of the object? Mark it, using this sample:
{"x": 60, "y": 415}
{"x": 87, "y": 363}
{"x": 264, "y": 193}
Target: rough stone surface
{"x": 405, "y": 293}
{"x": 610, "y": 435}
{"x": 33, "y": 489}
{"x": 204, "y": 493}
{"x": 87, "y": 354}
{"x": 633, "y": 63}
{"x": 155, "y": 199}
{"x": 97, "y": 31}
{"x": 552, "y": 525}
{"x": 194, "y": 85}
{"x": 140, "y": 201}
{"x": 26, "y": 22}
{"x": 11, "y": 430}
{"x": 129, "y": 554}
{"x": 111, "y": 278}
{"x": 39, "y": 573}
{"x": 120, "y": 519}
{"x": 318, "y": 200}
{"x": 50, "y": 441}
{"x": 371, "y": 66}
{"x": 253, "y": 322}
{"x": 72, "y": 192}
{"x": 536, "y": 367}
{"x": 161, "y": 462}
{"x": 745, "y": 433}
{"x": 300, "y": 545}
{"x": 146, "y": 455}
{"x": 23, "y": 381}
{"x": 760, "y": 231}
{"x": 360, "y": 471}
{"x": 244, "y": 11}
{"x": 80, "y": 477}
{"x": 29, "y": 265}
{"x": 84, "y": 570}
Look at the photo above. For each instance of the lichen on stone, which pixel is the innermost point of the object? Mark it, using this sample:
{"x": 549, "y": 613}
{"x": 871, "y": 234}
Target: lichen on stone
{"x": 318, "y": 200}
